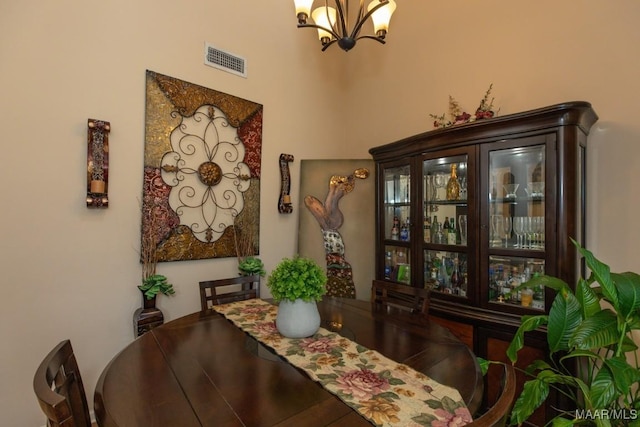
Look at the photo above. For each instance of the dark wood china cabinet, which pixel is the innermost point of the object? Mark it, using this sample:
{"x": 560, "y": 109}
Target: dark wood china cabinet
{"x": 476, "y": 209}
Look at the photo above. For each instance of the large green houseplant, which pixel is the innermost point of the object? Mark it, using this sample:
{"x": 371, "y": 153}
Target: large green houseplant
{"x": 591, "y": 330}
{"x": 297, "y": 283}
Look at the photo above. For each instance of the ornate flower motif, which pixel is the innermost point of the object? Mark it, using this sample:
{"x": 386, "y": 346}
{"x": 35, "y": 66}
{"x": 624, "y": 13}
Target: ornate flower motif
{"x": 380, "y": 410}
{"x": 362, "y": 384}
{"x": 327, "y": 360}
{"x": 318, "y": 345}
{"x": 206, "y": 172}
{"x": 460, "y": 417}
{"x": 457, "y": 116}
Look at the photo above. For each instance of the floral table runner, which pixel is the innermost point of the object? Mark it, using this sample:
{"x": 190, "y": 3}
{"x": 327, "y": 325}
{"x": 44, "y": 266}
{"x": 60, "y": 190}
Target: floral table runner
{"x": 385, "y": 392}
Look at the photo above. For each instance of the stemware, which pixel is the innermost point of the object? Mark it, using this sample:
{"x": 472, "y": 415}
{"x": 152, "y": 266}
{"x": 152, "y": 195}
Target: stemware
{"x": 497, "y": 226}
{"x": 506, "y": 230}
{"x": 439, "y": 181}
{"x": 510, "y": 190}
{"x": 462, "y": 225}
{"x": 518, "y": 228}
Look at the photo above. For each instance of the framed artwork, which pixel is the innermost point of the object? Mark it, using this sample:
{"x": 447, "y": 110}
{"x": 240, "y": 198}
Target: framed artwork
{"x": 349, "y": 260}
{"x": 202, "y": 157}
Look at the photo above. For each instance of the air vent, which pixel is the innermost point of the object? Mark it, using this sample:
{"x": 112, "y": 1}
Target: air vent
{"x": 225, "y": 61}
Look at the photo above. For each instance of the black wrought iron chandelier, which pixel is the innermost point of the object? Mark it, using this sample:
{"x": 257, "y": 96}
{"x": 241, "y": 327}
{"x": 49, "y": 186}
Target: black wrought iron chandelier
{"x": 332, "y": 23}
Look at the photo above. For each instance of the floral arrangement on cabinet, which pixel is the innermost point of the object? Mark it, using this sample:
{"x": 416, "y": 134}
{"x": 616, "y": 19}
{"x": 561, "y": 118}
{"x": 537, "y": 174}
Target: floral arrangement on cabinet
{"x": 458, "y": 116}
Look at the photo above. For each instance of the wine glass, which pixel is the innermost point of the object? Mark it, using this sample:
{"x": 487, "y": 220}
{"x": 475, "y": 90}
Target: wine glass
{"x": 462, "y": 225}
{"x": 506, "y": 230}
{"x": 518, "y": 228}
{"x": 510, "y": 190}
{"x": 497, "y": 225}
{"x": 440, "y": 181}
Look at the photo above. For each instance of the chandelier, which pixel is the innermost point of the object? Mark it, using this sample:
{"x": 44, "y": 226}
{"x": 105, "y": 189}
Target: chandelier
{"x": 332, "y": 23}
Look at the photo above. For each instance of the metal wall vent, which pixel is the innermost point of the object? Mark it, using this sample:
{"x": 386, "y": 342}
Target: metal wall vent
{"x": 225, "y": 61}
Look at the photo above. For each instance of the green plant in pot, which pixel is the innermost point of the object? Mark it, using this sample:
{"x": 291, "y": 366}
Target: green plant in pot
{"x": 155, "y": 284}
{"x": 250, "y": 266}
{"x": 297, "y": 284}
{"x": 593, "y": 358}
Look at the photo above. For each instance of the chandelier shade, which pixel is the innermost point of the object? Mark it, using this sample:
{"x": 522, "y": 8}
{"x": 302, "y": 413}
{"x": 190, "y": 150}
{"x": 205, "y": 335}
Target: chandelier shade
{"x": 334, "y": 25}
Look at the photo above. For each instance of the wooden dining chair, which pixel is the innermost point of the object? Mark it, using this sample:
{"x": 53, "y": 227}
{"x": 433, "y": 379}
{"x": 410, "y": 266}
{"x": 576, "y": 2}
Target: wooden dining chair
{"x": 386, "y": 296}
{"x": 58, "y": 387}
{"x": 498, "y": 413}
{"x": 222, "y": 291}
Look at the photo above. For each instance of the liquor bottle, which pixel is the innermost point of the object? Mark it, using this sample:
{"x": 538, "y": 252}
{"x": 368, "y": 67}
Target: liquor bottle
{"x": 493, "y": 286}
{"x": 451, "y": 237}
{"x": 388, "y": 268}
{"x": 445, "y": 229}
{"x": 434, "y": 229}
{"x": 456, "y": 277}
{"x": 395, "y": 230}
{"x": 453, "y": 186}
{"x": 426, "y": 228}
{"x": 404, "y": 231}
{"x": 443, "y": 276}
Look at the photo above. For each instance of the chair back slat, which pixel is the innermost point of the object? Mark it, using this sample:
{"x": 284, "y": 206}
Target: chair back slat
{"x": 222, "y": 291}
{"x": 389, "y": 297}
{"x": 497, "y": 415}
{"x": 58, "y": 387}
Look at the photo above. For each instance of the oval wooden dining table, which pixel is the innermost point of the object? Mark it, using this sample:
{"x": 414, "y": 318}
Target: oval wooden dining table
{"x": 202, "y": 370}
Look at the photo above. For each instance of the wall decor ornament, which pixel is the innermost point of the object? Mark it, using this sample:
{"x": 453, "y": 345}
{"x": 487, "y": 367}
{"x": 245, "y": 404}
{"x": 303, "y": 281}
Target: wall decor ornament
{"x": 284, "y": 201}
{"x": 97, "y": 163}
{"x": 202, "y": 165}
{"x": 458, "y": 116}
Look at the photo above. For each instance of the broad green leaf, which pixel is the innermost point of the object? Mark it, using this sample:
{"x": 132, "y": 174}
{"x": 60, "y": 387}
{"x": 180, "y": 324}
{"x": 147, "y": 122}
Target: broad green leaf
{"x": 484, "y": 365}
{"x": 527, "y": 323}
{"x": 628, "y": 344}
{"x": 548, "y": 281}
{"x": 599, "y": 330}
{"x": 587, "y": 298}
{"x": 533, "y": 394}
{"x": 581, "y": 353}
{"x": 602, "y": 274}
{"x": 564, "y": 316}
{"x": 603, "y": 389}
{"x": 624, "y": 375}
{"x": 628, "y": 286}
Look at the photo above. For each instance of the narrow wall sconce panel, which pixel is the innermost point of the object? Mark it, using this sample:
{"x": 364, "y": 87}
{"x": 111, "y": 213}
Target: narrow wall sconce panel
{"x": 284, "y": 202}
{"x": 98, "y": 163}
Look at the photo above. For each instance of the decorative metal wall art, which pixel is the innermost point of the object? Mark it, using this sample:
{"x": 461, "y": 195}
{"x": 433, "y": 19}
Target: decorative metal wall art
{"x": 284, "y": 201}
{"x": 202, "y": 169}
{"x": 97, "y": 163}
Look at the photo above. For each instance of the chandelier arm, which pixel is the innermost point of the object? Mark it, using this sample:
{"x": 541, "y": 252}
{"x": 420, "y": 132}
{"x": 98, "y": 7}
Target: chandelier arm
{"x": 356, "y": 29}
{"x": 376, "y": 38}
{"x": 341, "y": 17}
{"x": 324, "y": 47}
{"x": 329, "y": 30}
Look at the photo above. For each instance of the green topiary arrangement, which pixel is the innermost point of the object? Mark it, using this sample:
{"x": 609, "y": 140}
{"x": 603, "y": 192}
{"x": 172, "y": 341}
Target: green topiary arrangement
{"x": 155, "y": 284}
{"x": 251, "y": 265}
{"x": 297, "y": 278}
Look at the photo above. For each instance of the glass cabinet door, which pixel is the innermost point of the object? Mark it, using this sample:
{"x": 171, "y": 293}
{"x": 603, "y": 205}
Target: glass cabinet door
{"x": 516, "y": 225}
{"x": 397, "y": 223}
{"x": 445, "y": 225}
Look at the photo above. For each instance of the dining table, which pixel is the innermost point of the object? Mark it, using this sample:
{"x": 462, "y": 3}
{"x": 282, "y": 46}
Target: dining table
{"x": 203, "y": 370}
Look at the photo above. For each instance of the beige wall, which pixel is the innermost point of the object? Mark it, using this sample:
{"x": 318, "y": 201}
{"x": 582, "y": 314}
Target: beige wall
{"x": 66, "y": 61}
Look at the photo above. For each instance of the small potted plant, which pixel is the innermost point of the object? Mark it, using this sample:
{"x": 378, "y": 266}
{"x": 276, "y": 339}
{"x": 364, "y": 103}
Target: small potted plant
{"x": 250, "y": 266}
{"x": 155, "y": 284}
{"x": 297, "y": 284}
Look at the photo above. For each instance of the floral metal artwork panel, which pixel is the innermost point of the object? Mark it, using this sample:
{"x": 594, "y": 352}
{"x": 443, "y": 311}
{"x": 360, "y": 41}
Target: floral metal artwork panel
{"x": 201, "y": 193}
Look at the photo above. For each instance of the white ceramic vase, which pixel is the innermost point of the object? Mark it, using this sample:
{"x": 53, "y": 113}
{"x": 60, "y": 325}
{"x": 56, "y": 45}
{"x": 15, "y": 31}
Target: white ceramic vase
{"x": 297, "y": 319}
